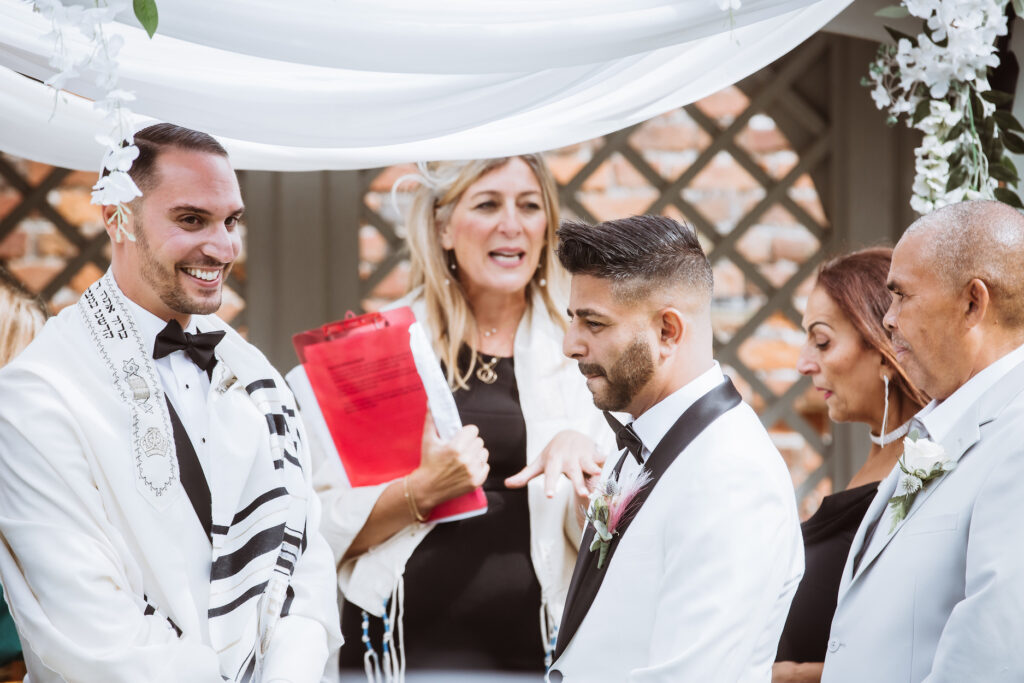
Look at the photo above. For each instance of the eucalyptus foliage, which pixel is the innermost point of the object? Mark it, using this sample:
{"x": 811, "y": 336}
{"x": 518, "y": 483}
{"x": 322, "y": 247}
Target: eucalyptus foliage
{"x": 937, "y": 82}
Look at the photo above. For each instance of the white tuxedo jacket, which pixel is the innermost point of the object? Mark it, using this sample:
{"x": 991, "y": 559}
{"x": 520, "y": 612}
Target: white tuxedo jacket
{"x": 700, "y": 586}
{"x": 942, "y": 600}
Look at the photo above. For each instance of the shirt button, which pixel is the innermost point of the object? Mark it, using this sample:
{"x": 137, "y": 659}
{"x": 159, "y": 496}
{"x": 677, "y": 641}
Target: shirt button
{"x": 204, "y": 439}
{"x": 186, "y": 386}
{"x": 834, "y": 645}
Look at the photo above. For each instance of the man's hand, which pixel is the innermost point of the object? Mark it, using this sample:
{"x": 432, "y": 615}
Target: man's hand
{"x": 570, "y": 453}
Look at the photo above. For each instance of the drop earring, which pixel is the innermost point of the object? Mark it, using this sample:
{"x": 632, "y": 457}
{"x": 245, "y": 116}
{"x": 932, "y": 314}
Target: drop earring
{"x": 885, "y": 439}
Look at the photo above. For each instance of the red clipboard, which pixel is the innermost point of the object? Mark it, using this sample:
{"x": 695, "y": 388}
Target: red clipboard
{"x": 365, "y": 381}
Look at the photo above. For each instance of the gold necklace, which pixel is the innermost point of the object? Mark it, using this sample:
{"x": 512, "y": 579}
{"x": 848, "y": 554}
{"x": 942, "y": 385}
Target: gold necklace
{"x": 485, "y": 373}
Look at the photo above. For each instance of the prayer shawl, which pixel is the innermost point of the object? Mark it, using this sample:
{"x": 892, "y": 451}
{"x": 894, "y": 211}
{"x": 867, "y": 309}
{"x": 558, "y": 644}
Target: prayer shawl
{"x": 264, "y": 519}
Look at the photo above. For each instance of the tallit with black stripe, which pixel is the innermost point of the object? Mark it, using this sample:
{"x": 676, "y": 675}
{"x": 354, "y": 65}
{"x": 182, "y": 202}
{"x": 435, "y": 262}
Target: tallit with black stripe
{"x": 255, "y": 551}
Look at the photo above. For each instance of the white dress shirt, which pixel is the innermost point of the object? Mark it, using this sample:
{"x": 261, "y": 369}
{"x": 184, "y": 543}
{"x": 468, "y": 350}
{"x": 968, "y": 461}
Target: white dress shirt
{"x": 652, "y": 426}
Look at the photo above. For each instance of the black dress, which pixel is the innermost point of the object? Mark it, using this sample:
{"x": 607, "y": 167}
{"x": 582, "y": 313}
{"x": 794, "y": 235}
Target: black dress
{"x": 828, "y": 535}
{"x": 472, "y": 599}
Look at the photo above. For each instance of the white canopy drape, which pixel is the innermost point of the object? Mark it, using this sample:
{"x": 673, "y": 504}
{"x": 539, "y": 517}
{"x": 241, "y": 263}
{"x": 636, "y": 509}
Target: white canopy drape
{"x": 337, "y": 84}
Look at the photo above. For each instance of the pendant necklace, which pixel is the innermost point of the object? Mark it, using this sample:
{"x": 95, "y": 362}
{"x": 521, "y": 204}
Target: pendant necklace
{"x": 485, "y": 373}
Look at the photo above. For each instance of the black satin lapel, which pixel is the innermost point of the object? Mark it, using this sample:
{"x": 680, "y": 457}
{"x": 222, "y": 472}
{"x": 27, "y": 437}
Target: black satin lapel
{"x": 586, "y": 577}
{"x": 191, "y": 473}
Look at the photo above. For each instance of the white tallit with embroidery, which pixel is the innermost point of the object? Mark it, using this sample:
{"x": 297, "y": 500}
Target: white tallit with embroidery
{"x": 267, "y": 613}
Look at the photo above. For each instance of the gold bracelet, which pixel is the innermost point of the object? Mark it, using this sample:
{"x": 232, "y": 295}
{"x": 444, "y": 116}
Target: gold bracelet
{"x": 411, "y": 501}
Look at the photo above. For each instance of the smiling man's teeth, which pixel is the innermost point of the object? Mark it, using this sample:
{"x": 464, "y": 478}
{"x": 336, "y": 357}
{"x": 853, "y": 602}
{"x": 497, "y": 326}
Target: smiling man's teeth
{"x": 208, "y": 275}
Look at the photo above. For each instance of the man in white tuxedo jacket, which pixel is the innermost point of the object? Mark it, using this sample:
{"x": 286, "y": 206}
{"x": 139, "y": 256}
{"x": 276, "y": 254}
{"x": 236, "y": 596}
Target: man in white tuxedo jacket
{"x": 938, "y": 595}
{"x": 698, "y": 577}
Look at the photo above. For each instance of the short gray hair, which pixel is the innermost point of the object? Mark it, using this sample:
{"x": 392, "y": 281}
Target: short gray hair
{"x": 980, "y": 239}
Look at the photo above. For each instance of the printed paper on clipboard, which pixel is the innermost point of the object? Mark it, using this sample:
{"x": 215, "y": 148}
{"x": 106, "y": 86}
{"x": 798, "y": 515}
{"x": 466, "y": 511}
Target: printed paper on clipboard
{"x": 373, "y": 377}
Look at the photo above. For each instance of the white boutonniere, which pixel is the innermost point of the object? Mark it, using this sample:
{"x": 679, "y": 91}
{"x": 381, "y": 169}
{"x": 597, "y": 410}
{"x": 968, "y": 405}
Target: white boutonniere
{"x": 922, "y": 461}
{"x": 610, "y": 503}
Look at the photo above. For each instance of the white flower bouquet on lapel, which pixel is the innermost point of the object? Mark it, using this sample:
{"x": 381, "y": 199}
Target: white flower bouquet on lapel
{"x": 922, "y": 462}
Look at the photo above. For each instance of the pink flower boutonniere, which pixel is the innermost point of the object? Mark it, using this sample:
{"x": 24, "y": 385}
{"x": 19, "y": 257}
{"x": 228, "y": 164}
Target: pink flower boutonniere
{"x": 610, "y": 502}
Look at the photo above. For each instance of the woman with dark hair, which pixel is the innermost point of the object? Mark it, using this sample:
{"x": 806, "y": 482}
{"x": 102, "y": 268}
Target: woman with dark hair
{"x": 851, "y": 361}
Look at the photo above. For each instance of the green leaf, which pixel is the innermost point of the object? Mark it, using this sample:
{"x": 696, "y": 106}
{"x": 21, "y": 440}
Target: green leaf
{"x": 1018, "y": 7}
{"x": 893, "y": 12}
{"x": 1007, "y": 121}
{"x": 1014, "y": 143}
{"x": 977, "y": 110}
{"x": 956, "y": 178}
{"x": 997, "y": 97}
{"x": 924, "y": 107}
{"x": 898, "y": 35}
{"x": 1000, "y": 172}
{"x": 145, "y": 12}
{"x": 956, "y": 131}
{"x": 1007, "y": 196}
{"x": 1008, "y": 163}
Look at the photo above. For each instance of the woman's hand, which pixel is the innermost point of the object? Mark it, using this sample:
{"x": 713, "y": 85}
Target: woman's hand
{"x": 797, "y": 672}
{"x": 448, "y": 469}
{"x": 570, "y": 453}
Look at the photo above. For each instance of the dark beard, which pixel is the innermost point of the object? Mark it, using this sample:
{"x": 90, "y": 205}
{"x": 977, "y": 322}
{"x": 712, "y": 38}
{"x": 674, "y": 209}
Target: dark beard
{"x": 165, "y": 282}
{"x": 631, "y": 371}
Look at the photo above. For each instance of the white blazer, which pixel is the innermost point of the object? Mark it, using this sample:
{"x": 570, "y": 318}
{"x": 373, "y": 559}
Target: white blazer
{"x": 700, "y": 586}
{"x": 942, "y": 599}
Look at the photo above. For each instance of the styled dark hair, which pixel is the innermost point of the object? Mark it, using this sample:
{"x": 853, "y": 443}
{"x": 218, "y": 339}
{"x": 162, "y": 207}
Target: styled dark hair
{"x": 154, "y": 139}
{"x": 637, "y": 254}
{"x": 856, "y": 283}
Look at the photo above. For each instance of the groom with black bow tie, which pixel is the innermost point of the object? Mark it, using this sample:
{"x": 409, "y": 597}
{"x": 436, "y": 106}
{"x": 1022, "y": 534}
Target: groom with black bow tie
{"x": 693, "y": 550}
{"x": 155, "y": 492}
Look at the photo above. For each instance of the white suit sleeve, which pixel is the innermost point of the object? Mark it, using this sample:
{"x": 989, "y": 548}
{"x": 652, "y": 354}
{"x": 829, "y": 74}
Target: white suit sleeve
{"x": 70, "y": 592}
{"x": 303, "y": 639}
{"x": 729, "y": 554}
{"x": 981, "y": 638}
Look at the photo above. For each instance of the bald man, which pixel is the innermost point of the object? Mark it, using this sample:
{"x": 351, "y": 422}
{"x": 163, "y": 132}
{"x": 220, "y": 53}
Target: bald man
{"x": 933, "y": 589}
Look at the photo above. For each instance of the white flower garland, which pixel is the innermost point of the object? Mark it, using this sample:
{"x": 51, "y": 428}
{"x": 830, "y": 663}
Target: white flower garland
{"x": 116, "y": 188}
{"x": 938, "y": 82}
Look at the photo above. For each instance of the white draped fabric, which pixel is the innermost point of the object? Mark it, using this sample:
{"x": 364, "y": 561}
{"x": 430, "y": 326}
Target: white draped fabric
{"x": 339, "y": 84}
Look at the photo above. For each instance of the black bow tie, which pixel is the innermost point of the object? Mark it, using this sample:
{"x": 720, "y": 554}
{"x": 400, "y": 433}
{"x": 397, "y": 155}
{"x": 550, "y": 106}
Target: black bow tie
{"x": 198, "y": 347}
{"x": 626, "y": 437}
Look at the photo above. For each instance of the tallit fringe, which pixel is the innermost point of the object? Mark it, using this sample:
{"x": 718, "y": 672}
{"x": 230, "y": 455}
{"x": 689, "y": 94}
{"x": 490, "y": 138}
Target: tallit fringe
{"x": 389, "y": 667}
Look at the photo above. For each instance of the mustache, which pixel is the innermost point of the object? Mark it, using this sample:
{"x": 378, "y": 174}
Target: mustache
{"x": 592, "y": 370}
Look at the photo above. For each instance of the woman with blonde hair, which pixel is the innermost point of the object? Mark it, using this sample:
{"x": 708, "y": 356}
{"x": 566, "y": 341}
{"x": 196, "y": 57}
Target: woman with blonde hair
{"x": 21, "y": 317}
{"x": 484, "y": 593}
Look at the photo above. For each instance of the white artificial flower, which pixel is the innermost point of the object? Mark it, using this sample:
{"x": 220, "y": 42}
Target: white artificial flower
{"x": 120, "y": 158}
{"x": 115, "y": 188}
{"x": 923, "y": 455}
{"x": 881, "y": 97}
